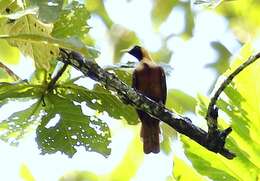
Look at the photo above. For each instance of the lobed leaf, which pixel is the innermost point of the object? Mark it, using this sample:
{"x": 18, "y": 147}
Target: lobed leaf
{"x": 70, "y": 129}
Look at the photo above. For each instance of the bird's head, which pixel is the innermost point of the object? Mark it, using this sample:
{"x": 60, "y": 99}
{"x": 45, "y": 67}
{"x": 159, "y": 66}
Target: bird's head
{"x": 139, "y": 53}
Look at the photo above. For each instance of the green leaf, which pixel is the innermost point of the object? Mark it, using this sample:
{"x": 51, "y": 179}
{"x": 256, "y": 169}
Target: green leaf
{"x": 101, "y": 100}
{"x": 72, "y": 22}
{"x": 239, "y": 108}
{"x": 70, "y": 43}
{"x": 29, "y": 24}
{"x": 71, "y": 129}
{"x": 180, "y": 101}
{"x": 182, "y": 171}
{"x": 164, "y": 54}
{"x": 19, "y": 124}
{"x": 19, "y": 90}
{"x": 189, "y": 20}
{"x": 222, "y": 61}
{"x": 161, "y": 10}
{"x": 49, "y": 11}
{"x": 9, "y": 54}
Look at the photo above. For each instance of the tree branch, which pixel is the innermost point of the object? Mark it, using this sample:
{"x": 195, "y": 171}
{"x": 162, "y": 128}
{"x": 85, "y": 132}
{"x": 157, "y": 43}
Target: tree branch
{"x": 9, "y": 72}
{"x": 127, "y": 94}
{"x": 212, "y": 113}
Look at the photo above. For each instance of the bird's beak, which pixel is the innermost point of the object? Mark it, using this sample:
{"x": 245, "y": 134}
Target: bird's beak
{"x": 125, "y": 50}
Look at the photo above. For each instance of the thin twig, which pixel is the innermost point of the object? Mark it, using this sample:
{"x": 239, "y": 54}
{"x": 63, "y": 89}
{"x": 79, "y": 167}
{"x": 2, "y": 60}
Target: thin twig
{"x": 181, "y": 124}
{"x": 9, "y": 72}
{"x": 53, "y": 81}
{"x": 212, "y": 112}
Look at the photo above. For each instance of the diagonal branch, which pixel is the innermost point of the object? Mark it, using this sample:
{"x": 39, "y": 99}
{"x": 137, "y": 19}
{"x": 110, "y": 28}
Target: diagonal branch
{"x": 127, "y": 94}
{"x": 9, "y": 72}
{"x": 212, "y": 113}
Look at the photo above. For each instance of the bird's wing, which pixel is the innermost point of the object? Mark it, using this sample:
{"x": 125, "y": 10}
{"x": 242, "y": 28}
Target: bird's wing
{"x": 134, "y": 80}
{"x": 163, "y": 84}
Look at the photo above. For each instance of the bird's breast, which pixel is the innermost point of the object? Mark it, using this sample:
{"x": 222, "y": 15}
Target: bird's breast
{"x": 149, "y": 81}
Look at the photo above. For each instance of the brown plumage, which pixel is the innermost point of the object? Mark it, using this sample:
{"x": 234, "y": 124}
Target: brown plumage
{"x": 149, "y": 79}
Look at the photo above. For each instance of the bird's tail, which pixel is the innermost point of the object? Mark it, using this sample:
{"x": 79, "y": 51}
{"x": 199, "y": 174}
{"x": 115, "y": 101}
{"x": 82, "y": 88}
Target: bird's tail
{"x": 150, "y": 132}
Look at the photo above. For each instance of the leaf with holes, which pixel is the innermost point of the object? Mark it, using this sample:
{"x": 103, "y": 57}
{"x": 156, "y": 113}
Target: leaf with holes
{"x": 72, "y": 22}
{"x": 19, "y": 124}
{"x": 65, "y": 127}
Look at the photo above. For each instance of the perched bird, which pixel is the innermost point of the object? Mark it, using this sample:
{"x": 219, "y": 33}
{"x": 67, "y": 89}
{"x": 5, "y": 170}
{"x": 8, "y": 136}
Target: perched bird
{"x": 149, "y": 79}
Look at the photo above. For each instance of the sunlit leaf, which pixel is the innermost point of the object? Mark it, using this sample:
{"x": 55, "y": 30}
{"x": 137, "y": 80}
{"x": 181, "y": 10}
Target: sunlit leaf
{"x": 72, "y": 22}
{"x": 65, "y": 127}
{"x": 180, "y": 101}
{"x": 29, "y": 24}
{"x": 182, "y": 171}
{"x": 70, "y": 43}
{"x": 243, "y": 16}
{"x": 8, "y": 54}
{"x": 26, "y": 174}
{"x": 240, "y": 108}
{"x": 19, "y": 90}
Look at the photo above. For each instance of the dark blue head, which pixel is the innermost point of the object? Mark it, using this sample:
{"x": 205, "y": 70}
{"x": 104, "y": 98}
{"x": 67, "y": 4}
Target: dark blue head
{"x": 137, "y": 52}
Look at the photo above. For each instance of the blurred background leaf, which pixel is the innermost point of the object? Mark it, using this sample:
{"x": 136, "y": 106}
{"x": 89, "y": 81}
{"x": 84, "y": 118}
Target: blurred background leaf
{"x": 25, "y": 173}
{"x": 180, "y": 102}
{"x": 161, "y": 10}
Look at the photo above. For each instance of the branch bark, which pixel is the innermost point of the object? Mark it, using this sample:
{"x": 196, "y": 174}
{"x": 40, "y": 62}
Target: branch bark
{"x": 127, "y": 94}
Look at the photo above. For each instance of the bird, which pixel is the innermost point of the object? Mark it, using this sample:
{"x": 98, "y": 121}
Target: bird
{"x": 149, "y": 79}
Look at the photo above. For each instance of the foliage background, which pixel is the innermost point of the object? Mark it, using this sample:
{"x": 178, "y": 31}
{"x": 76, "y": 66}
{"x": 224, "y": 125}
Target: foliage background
{"x": 202, "y": 40}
